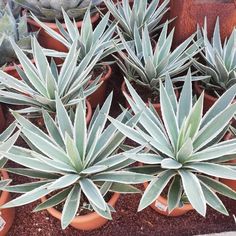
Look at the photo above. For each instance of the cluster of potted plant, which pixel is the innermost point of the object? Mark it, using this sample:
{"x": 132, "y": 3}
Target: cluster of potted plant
{"x": 76, "y": 157}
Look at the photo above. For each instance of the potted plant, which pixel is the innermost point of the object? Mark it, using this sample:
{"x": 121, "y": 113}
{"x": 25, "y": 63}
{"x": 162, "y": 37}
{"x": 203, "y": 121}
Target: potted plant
{"x": 145, "y": 67}
{"x": 101, "y": 38}
{"x": 6, "y": 215}
{"x": 12, "y": 26}
{"x": 232, "y": 159}
{"x": 189, "y": 13}
{"x": 79, "y": 173}
{"x": 51, "y": 13}
{"x": 218, "y": 63}
{"x": 139, "y": 14}
{"x": 43, "y": 81}
{"x": 183, "y": 150}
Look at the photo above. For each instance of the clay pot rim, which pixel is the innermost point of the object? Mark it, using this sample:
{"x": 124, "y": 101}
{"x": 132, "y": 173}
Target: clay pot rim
{"x": 82, "y": 219}
{"x": 4, "y": 195}
{"x": 53, "y": 25}
{"x": 185, "y": 207}
{"x": 156, "y": 105}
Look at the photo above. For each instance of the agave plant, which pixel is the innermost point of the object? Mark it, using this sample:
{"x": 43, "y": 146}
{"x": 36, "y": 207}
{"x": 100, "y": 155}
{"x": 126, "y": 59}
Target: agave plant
{"x": 184, "y": 147}
{"x": 73, "y": 162}
{"x": 15, "y": 8}
{"x": 147, "y": 66}
{"x": 12, "y": 28}
{"x": 219, "y": 60}
{"x": 42, "y": 81}
{"x": 99, "y": 39}
{"x": 49, "y": 10}
{"x": 138, "y": 14}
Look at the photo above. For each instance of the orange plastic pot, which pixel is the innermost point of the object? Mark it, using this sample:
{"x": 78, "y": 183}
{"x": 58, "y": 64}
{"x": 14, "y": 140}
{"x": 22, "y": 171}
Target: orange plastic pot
{"x": 229, "y": 182}
{"x": 161, "y": 206}
{"x": 47, "y": 41}
{"x": 208, "y": 99}
{"x": 189, "y": 13}
{"x": 90, "y": 221}
{"x": 6, "y": 215}
{"x": 157, "y": 106}
{"x": 98, "y": 96}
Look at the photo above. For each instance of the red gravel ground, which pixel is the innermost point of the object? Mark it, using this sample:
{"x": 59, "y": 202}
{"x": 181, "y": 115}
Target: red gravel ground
{"x": 126, "y": 221}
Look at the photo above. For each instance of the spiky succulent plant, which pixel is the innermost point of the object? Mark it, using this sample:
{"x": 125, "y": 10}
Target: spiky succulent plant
{"x": 185, "y": 148}
{"x": 147, "y": 64}
{"x": 73, "y": 163}
{"x": 219, "y": 59}
{"x": 138, "y": 13}
{"x": 101, "y": 38}
{"x": 43, "y": 81}
{"x": 49, "y": 10}
{"x": 15, "y": 29}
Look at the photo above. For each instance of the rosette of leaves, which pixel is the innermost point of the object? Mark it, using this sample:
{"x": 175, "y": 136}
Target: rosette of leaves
{"x": 14, "y": 29}
{"x": 138, "y": 14}
{"x": 41, "y": 81}
{"x": 49, "y": 10}
{"x": 185, "y": 151}
{"x": 219, "y": 59}
{"x": 148, "y": 64}
{"x": 101, "y": 38}
{"x": 73, "y": 162}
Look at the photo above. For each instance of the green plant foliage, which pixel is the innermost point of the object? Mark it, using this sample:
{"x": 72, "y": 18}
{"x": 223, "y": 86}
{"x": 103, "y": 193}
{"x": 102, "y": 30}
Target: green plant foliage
{"x": 137, "y": 14}
{"x": 73, "y": 162}
{"x": 49, "y": 10}
{"x": 42, "y": 81}
{"x": 183, "y": 147}
{"x": 219, "y": 59}
{"x": 147, "y": 64}
{"x": 101, "y": 38}
{"x": 14, "y": 29}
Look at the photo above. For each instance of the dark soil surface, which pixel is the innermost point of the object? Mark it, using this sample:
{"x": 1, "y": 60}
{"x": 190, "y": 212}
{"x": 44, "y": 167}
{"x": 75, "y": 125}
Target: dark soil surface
{"x": 126, "y": 221}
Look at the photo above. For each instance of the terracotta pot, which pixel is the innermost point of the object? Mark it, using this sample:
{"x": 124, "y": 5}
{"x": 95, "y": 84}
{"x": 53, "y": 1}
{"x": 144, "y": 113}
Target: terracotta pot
{"x": 208, "y": 99}
{"x": 6, "y": 215}
{"x": 161, "y": 206}
{"x": 47, "y": 41}
{"x": 191, "y": 12}
{"x": 229, "y": 182}
{"x": 90, "y": 221}
{"x": 11, "y": 70}
{"x": 157, "y": 106}
{"x": 98, "y": 96}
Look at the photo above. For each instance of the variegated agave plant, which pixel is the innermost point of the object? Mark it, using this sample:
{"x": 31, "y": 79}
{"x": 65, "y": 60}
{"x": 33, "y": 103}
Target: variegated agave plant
{"x": 138, "y": 14}
{"x": 99, "y": 39}
{"x": 49, "y": 10}
{"x": 73, "y": 162}
{"x": 219, "y": 59}
{"x": 15, "y": 29}
{"x": 7, "y": 140}
{"x": 147, "y": 66}
{"x": 185, "y": 148}
{"x": 42, "y": 81}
